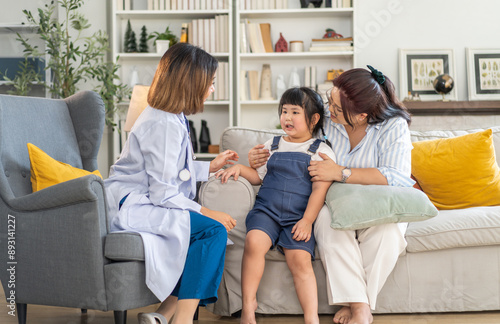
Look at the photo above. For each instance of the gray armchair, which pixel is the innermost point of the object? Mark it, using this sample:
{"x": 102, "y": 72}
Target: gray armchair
{"x": 60, "y": 248}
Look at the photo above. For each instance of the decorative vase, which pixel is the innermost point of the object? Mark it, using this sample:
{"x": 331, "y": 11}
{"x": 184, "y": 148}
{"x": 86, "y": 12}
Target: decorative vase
{"x": 204, "y": 137}
{"x": 134, "y": 77}
{"x": 162, "y": 46}
{"x": 280, "y": 86}
{"x": 294, "y": 80}
{"x": 265, "y": 83}
{"x": 192, "y": 133}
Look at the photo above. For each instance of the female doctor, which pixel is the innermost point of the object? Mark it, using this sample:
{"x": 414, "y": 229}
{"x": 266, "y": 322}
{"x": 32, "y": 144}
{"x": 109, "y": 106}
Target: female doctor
{"x": 151, "y": 189}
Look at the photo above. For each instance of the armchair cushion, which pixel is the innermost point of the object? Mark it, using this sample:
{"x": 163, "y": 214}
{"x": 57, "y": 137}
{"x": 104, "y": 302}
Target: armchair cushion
{"x": 46, "y": 172}
{"x": 124, "y": 246}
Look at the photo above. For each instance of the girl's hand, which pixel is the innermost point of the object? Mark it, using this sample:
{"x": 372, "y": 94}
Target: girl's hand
{"x": 257, "y": 156}
{"x": 222, "y": 159}
{"x": 302, "y": 231}
{"x": 223, "y": 218}
{"x": 233, "y": 171}
{"x": 326, "y": 170}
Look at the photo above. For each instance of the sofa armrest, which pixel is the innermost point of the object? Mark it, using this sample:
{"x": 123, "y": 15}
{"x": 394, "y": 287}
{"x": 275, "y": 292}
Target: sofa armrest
{"x": 83, "y": 189}
{"x": 235, "y": 198}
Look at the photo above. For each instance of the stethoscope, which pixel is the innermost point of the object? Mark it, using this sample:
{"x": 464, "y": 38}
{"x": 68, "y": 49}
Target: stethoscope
{"x": 184, "y": 174}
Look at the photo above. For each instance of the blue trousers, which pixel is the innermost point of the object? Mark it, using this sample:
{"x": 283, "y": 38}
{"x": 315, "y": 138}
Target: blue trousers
{"x": 205, "y": 261}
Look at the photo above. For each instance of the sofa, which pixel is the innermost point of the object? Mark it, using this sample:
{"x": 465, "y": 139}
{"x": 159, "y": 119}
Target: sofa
{"x": 451, "y": 263}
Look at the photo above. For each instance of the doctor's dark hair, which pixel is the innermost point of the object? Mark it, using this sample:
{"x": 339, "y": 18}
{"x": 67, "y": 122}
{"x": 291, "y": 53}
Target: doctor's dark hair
{"x": 311, "y": 102}
{"x": 362, "y": 91}
{"x": 182, "y": 79}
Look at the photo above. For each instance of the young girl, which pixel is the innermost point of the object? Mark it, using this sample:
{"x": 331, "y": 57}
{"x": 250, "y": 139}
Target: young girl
{"x": 287, "y": 203}
{"x": 151, "y": 187}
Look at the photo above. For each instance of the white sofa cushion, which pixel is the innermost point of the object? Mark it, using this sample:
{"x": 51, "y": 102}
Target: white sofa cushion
{"x": 476, "y": 226}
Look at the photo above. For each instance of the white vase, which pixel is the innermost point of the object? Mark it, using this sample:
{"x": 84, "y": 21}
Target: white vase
{"x": 280, "y": 86}
{"x": 162, "y": 46}
{"x": 134, "y": 78}
{"x": 294, "y": 80}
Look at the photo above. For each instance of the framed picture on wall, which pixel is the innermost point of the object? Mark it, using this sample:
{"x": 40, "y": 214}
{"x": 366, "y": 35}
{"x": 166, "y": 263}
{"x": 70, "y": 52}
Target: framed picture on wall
{"x": 483, "y": 73}
{"x": 418, "y": 68}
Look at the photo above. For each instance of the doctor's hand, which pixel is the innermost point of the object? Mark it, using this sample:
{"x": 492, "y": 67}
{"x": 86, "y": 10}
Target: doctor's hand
{"x": 326, "y": 170}
{"x": 257, "y": 156}
{"x": 223, "y": 218}
{"x": 226, "y": 157}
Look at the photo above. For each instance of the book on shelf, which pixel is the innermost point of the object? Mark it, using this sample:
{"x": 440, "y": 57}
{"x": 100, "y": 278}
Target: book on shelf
{"x": 265, "y": 31}
{"x": 310, "y": 77}
{"x": 258, "y": 37}
{"x": 174, "y": 4}
{"x": 244, "y": 95}
{"x": 212, "y": 38}
{"x": 243, "y": 39}
{"x": 119, "y": 5}
{"x": 281, "y": 4}
{"x": 253, "y": 84}
{"x": 127, "y": 4}
{"x": 330, "y": 48}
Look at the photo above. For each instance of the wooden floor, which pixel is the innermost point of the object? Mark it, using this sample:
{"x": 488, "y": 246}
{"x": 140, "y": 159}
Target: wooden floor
{"x": 59, "y": 315}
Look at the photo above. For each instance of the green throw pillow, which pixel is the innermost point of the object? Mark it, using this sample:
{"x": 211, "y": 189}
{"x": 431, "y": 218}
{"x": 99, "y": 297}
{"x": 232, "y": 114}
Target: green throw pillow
{"x": 355, "y": 206}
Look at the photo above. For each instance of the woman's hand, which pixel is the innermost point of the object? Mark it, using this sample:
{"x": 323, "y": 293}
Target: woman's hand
{"x": 223, "y": 218}
{"x": 257, "y": 156}
{"x": 225, "y": 174}
{"x": 302, "y": 230}
{"x": 326, "y": 170}
{"x": 226, "y": 157}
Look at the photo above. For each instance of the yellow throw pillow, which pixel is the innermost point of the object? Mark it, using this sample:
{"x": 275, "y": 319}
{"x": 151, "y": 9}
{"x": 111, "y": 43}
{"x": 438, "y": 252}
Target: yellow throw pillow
{"x": 46, "y": 172}
{"x": 458, "y": 172}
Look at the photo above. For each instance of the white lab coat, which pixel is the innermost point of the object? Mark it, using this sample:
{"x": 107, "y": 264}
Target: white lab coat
{"x": 159, "y": 202}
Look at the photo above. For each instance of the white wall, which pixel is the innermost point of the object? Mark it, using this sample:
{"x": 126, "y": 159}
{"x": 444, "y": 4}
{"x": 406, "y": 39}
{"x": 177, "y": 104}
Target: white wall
{"x": 384, "y": 26}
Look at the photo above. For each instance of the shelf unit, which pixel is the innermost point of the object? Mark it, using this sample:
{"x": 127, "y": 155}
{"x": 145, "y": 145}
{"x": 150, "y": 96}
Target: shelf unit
{"x": 446, "y": 108}
{"x": 294, "y": 23}
{"x": 218, "y": 114}
{"x": 8, "y": 32}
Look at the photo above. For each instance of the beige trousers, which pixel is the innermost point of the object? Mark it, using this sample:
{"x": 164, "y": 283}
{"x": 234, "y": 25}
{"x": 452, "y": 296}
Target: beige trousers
{"x": 357, "y": 263}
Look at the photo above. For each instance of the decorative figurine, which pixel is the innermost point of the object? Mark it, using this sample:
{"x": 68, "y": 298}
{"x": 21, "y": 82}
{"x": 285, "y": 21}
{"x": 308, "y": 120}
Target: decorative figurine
{"x": 204, "y": 137}
{"x": 281, "y": 44}
{"x": 330, "y": 33}
{"x": 265, "y": 83}
{"x": 143, "y": 41}
{"x": 316, "y": 3}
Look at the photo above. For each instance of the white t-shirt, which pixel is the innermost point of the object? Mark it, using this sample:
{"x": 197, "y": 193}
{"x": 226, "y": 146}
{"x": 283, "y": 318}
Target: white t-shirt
{"x": 303, "y": 147}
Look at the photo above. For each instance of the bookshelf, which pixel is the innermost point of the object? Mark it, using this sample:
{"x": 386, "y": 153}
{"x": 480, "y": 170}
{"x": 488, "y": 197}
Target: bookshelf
{"x": 217, "y": 113}
{"x": 294, "y": 23}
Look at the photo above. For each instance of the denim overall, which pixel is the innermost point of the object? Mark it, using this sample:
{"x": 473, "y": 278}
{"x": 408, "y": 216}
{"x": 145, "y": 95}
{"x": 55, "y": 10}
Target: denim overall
{"x": 284, "y": 194}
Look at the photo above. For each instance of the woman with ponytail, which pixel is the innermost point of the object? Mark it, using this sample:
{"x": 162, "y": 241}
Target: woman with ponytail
{"x": 368, "y": 130}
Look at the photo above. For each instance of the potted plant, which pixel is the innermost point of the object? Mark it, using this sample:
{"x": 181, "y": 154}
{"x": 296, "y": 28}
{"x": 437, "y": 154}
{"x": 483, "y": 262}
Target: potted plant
{"x": 163, "y": 40}
{"x": 73, "y": 59}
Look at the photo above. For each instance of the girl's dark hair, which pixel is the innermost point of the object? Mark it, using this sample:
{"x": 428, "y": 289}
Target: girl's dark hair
{"x": 360, "y": 92}
{"x": 182, "y": 79}
{"x": 310, "y": 101}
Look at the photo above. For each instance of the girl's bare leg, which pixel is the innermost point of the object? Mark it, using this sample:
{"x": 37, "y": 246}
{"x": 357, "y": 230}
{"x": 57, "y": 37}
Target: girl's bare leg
{"x": 257, "y": 243}
{"x": 299, "y": 263}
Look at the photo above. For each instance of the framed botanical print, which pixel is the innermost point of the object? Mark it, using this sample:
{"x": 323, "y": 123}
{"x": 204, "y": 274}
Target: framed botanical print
{"x": 483, "y": 73}
{"x": 418, "y": 68}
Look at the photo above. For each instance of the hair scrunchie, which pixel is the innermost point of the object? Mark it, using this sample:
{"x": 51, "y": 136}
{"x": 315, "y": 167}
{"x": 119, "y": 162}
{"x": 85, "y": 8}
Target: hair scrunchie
{"x": 379, "y": 76}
